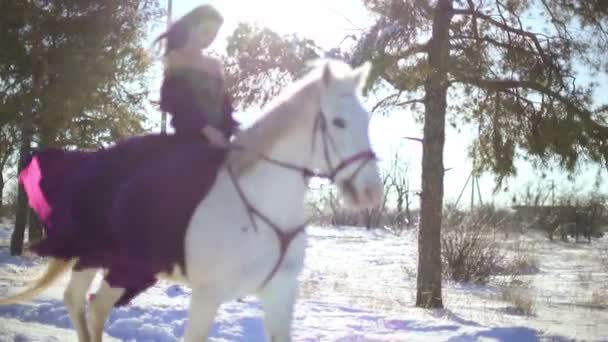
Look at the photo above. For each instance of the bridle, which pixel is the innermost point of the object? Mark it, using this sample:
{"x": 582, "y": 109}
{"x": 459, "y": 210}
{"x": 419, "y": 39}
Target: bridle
{"x": 286, "y": 237}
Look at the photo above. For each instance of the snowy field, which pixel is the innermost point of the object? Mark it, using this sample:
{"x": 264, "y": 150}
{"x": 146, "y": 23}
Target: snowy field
{"x": 357, "y": 286}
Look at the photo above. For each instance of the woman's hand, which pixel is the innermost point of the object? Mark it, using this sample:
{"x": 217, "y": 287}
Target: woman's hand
{"x": 215, "y": 136}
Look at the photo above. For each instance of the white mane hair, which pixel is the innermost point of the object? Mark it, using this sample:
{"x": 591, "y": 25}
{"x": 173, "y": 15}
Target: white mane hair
{"x": 281, "y": 114}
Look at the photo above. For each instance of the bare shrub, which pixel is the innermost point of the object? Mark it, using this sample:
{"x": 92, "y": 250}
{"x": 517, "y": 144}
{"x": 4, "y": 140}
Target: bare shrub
{"x": 493, "y": 216}
{"x": 408, "y": 272}
{"x": 326, "y": 208}
{"x": 599, "y": 298}
{"x": 329, "y": 210}
{"x": 521, "y": 263}
{"x": 395, "y": 213}
{"x": 309, "y": 288}
{"x": 568, "y": 214}
{"x": 470, "y": 248}
{"x": 604, "y": 258}
{"x": 520, "y": 300}
{"x": 8, "y": 209}
{"x": 585, "y": 278}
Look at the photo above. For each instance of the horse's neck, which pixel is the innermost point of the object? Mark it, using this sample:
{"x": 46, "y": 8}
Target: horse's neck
{"x": 279, "y": 192}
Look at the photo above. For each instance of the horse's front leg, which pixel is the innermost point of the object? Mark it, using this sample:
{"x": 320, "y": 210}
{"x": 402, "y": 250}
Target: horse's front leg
{"x": 278, "y": 300}
{"x": 100, "y": 307}
{"x": 203, "y": 308}
{"x": 74, "y": 298}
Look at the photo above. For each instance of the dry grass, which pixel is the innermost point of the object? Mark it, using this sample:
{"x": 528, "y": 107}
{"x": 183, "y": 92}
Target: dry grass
{"x": 408, "y": 271}
{"x": 522, "y": 263}
{"x": 585, "y": 279}
{"x": 309, "y": 289}
{"x": 520, "y": 300}
{"x": 599, "y": 299}
{"x": 383, "y": 298}
{"x": 604, "y": 259}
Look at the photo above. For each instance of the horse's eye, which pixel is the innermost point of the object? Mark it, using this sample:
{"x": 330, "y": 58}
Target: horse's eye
{"x": 339, "y": 122}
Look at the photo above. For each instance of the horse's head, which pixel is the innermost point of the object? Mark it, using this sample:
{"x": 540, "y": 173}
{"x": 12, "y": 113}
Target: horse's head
{"x": 342, "y": 145}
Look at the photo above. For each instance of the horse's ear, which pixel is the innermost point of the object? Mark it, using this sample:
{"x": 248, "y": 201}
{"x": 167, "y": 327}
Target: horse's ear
{"x": 362, "y": 73}
{"x": 327, "y": 75}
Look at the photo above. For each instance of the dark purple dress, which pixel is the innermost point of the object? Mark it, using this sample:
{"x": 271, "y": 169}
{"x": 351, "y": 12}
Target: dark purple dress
{"x": 126, "y": 208}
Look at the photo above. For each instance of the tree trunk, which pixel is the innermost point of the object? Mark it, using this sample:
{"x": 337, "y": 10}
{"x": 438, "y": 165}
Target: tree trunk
{"x": 429, "y": 239}
{"x": 400, "y": 196}
{"x": 27, "y": 133}
{"x": 22, "y": 207}
{"x": 7, "y": 151}
{"x": 34, "y": 228}
{"x": 408, "y": 213}
{"x": 1, "y": 192}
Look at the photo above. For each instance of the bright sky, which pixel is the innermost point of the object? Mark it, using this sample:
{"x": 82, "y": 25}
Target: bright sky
{"x": 327, "y": 23}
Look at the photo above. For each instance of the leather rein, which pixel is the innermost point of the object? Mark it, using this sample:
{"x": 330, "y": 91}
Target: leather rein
{"x": 285, "y": 237}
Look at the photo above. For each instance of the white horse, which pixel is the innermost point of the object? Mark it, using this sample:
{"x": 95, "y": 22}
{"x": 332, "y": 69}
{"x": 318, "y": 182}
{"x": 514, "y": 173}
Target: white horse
{"x": 256, "y": 245}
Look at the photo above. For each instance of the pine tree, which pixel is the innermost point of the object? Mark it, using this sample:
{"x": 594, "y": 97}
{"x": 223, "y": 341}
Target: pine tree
{"x": 486, "y": 63}
{"x": 260, "y": 62}
{"x": 73, "y": 74}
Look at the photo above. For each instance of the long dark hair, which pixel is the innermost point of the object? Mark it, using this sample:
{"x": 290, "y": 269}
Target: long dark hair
{"x": 178, "y": 33}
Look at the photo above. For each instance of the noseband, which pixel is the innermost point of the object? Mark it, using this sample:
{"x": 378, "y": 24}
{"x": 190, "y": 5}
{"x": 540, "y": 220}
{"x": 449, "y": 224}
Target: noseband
{"x": 286, "y": 237}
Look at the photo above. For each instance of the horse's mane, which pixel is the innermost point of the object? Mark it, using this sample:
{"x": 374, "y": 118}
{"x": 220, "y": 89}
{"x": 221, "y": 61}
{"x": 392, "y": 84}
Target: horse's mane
{"x": 280, "y": 116}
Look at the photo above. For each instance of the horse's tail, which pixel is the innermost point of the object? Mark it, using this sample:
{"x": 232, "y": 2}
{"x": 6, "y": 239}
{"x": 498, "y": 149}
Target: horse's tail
{"x": 54, "y": 270}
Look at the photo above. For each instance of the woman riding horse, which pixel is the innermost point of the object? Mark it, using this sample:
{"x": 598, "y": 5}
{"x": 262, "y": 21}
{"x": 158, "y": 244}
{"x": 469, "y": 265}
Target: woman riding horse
{"x": 192, "y": 90}
{"x": 121, "y": 208}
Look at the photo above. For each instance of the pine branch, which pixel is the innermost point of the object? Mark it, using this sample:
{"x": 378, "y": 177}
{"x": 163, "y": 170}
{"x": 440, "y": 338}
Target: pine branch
{"x": 392, "y": 98}
{"x": 505, "y": 27}
{"x": 504, "y": 85}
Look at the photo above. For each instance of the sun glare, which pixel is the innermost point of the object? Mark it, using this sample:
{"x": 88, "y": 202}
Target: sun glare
{"x": 326, "y": 22}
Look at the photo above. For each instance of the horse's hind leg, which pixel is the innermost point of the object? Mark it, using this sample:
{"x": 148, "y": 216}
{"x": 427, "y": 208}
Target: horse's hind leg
{"x": 74, "y": 299}
{"x": 278, "y": 299}
{"x": 203, "y": 307}
{"x": 100, "y": 307}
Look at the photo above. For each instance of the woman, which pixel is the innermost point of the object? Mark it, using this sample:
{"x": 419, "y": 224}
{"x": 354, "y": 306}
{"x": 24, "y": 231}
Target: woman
{"x": 192, "y": 81}
{"x": 126, "y": 208}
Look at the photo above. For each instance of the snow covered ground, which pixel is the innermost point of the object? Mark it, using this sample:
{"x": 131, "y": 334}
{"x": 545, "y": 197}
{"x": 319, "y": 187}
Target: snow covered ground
{"x": 357, "y": 286}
